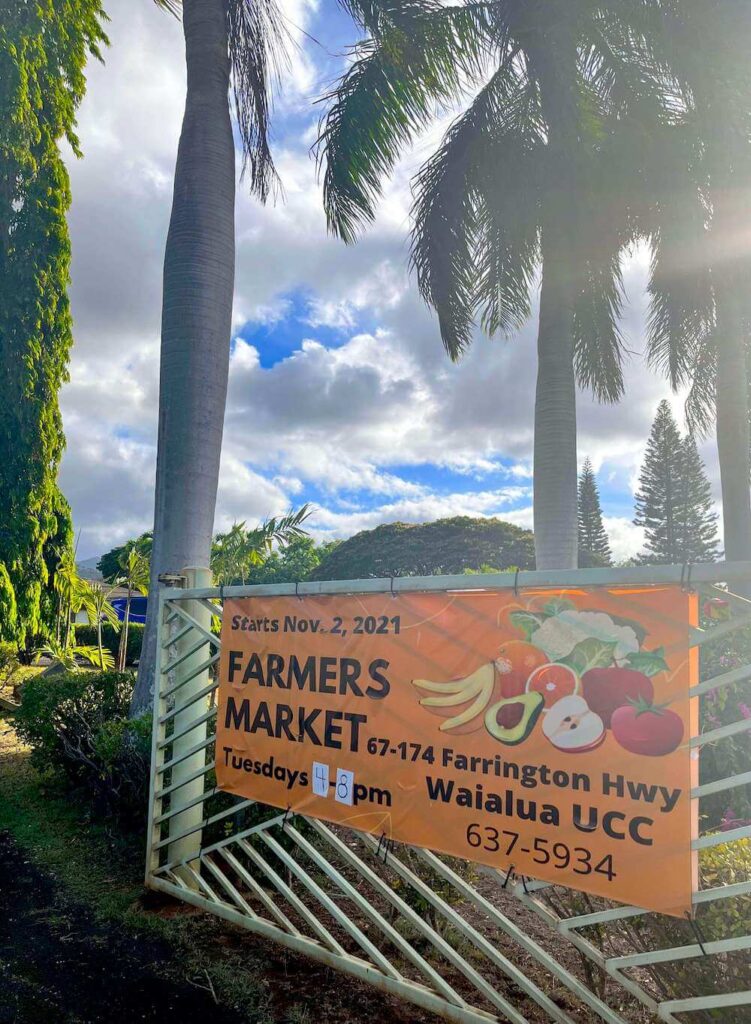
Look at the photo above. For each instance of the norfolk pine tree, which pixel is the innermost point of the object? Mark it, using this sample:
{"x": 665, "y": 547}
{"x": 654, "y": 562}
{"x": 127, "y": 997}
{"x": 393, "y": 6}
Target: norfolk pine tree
{"x": 673, "y": 502}
{"x": 594, "y": 547}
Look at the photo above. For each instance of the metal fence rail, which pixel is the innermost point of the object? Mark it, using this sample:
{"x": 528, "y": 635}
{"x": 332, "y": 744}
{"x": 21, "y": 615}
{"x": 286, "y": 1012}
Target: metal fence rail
{"x": 457, "y": 939}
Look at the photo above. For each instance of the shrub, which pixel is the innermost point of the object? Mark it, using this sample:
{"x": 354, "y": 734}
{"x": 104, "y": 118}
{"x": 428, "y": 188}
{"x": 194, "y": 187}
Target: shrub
{"x": 77, "y": 723}
{"x": 86, "y": 635}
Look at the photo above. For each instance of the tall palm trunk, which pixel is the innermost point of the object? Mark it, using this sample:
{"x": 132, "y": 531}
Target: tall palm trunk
{"x": 122, "y": 654}
{"x": 732, "y": 378}
{"x": 732, "y": 423}
{"x": 555, "y": 470}
{"x": 199, "y": 268}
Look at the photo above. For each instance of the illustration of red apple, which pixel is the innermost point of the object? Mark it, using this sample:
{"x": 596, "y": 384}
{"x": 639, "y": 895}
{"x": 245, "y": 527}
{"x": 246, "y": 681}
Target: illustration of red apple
{"x": 606, "y": 689}
{"x": 570, "y": 725}
{"x": 553, "y": 682}
{"x": 648, "y": 729}
{"x": 514, "y": 663}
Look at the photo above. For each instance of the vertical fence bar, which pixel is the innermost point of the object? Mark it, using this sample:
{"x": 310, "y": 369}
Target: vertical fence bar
{"x": 191, "y": 791}
{"x": 157, "y": 736}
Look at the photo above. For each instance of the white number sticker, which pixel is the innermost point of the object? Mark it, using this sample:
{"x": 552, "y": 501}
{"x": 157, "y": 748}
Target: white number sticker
{"x": 320, "y": 779}
{"x": 345, "y": 782}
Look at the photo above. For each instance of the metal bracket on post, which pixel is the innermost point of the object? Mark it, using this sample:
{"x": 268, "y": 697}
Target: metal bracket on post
{"x": 188, "y": 794}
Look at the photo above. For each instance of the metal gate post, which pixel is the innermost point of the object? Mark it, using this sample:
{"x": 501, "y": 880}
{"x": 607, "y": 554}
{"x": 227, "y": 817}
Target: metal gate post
{"x": 188, "y": 779}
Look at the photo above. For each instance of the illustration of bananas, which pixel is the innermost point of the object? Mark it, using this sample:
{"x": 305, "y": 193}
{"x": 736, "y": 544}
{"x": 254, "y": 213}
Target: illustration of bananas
{"x": 476, "y": 687}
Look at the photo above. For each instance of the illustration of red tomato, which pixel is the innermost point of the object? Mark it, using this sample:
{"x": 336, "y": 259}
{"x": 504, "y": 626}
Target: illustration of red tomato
{"x": 643, "y": 728}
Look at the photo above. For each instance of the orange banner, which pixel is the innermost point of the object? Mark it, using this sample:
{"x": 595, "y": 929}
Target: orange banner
{"x": 545, "y": 732}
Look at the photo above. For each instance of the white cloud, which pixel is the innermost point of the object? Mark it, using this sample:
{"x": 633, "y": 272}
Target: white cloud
{"x": 348, "y": 419}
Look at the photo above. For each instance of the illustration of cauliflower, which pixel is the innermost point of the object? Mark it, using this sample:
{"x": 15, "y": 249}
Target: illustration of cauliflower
{"x": 558, "y": 635}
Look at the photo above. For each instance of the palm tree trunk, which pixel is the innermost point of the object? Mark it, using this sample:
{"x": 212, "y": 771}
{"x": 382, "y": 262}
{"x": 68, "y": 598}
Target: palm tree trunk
{"x": 731, "y": 399}
{"x": 555, "y": 470}
{"x": 732, "y": 422}
{"x": 199, "y": 269}
{"x": 99, "y": 638}
{"x": 122, "y": 654}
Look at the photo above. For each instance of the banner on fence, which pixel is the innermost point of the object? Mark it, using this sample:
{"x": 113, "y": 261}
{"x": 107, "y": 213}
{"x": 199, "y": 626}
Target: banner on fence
{"x": 545, "y": 732}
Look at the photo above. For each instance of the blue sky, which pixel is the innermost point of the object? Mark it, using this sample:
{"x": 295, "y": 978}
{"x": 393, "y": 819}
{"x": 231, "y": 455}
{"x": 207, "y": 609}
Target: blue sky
{"x": 340, "y": 392}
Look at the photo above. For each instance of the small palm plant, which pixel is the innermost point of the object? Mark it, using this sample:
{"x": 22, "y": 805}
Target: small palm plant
{"x": 237, "y": 551}
{"x": 135, "y": 578}
{"x": 100, "y": 610}
{"x": 68, "y": 656}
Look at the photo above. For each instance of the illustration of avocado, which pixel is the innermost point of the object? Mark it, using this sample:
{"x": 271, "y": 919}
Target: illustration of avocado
{"x": 512, "y": 720}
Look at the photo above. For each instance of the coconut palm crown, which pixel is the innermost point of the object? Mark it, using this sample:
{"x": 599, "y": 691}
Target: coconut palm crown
{"x": 533, "y": 181}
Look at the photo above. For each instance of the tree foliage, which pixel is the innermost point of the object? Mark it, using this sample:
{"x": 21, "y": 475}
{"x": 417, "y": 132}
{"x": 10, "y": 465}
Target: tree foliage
{"x": 236, "y": 552}
{"x": 426, "y": 549}
{"x": 548, "y": 129}
{"x": 113, "y": 562}
{"x": 673, "y": 502}
{"x": 594, "y": 546}
{"x": 43, "y": 51}
{"x": 296, "y": 561}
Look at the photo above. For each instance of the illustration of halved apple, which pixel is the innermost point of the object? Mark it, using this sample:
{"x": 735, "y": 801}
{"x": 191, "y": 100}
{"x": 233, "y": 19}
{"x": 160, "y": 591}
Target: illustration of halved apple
{"x": 570, "y": 725}
{"x": 464, "y": 700}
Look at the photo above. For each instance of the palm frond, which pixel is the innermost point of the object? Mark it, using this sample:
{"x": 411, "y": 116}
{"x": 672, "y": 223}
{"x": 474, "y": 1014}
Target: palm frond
{"x": 103, "y": 659}
{"x": 258, "y": 50}
{"x": 171, "y": 6}
{"x": 681, "y": 310}
{"x": 416, "y": 64}
{"x": 700, "y": 406}
{"x": 599, "y": 346}
{"x": 475, "y": 236}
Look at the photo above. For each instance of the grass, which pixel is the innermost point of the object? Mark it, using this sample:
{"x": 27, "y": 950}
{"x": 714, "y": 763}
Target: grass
{"x": 94, "y": 865}
{"x": 95, "y": 868}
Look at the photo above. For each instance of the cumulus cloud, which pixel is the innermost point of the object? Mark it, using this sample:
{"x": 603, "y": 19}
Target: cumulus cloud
{"x": 362, "y": 398}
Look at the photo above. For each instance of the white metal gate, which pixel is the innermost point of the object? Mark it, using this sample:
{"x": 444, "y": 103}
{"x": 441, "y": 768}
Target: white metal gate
{"x": 464, "y": 941}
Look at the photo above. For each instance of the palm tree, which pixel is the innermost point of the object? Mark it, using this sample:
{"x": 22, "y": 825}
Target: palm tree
{"x": 135, "y": 577}
{"x": 701, "y": 259}
{"x": 236, "y": 552}
{"x": 527, "y": 185}
{"x": 99, "y": 610}
{"x": 227, "y": 42}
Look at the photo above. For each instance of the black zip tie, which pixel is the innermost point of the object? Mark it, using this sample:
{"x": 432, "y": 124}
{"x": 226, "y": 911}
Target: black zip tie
{"x": 297, "y": 590}
{"x": 378, "y": 848}
{"x": 509, "y": 874}
{"x": 698, "y": 933}
{"x": 392, "y": 587}
{"x": 516, "y": 583}
{"x": 524, "y": 883}
{"x": 686, "y": 570}
{"x": 221, "y": 592}
{"x": 286, "y": 815}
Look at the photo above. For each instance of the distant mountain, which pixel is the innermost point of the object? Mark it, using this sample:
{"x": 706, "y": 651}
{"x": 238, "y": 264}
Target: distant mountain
{"x": 87, "y": 569}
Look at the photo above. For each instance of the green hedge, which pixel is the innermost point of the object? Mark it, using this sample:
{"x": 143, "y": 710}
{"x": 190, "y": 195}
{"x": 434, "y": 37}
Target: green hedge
{"x": 77, "y": 723}
{"x": 111, "y": 639}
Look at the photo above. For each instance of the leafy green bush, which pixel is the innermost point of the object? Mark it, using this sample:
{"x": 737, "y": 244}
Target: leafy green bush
{"x": 725, "y": 706}
{"x": 86, "y": 635}
{"x": 726, "y": 864}
{"x": 77, "y": 723}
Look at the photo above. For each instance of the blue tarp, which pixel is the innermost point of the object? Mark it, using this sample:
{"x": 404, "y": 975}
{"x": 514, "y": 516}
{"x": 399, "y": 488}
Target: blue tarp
{"x": 137, "y": 608}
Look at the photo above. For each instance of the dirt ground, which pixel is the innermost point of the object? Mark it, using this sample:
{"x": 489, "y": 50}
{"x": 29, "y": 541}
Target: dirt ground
{"x": 58, "y": 964}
